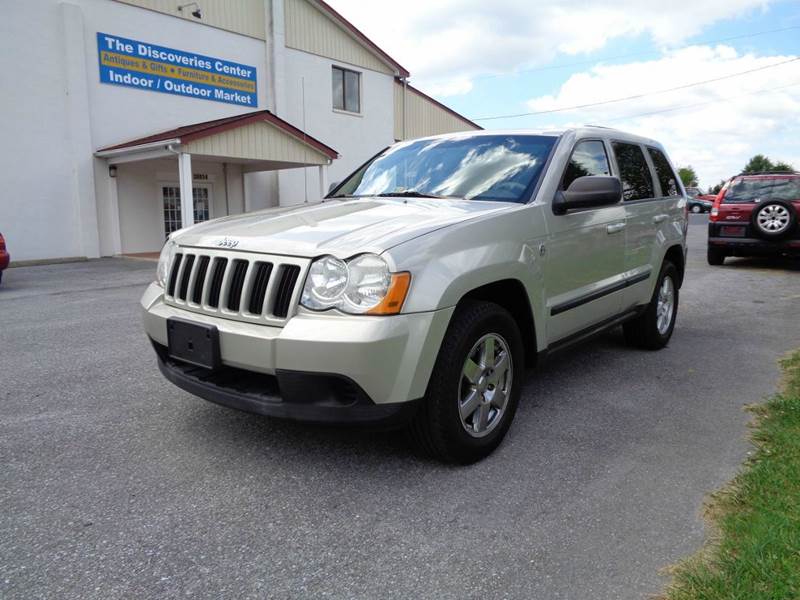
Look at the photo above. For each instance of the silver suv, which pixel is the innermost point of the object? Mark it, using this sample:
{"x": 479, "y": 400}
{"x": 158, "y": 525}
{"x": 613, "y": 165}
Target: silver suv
{"x": 419, "y": 290}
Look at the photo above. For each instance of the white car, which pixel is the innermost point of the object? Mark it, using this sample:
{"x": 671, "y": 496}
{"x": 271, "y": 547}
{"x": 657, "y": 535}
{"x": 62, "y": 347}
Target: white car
{"x": 419, "y": 290}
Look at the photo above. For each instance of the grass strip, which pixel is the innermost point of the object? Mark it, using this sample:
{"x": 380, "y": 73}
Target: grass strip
{"x": 754, "y": 552}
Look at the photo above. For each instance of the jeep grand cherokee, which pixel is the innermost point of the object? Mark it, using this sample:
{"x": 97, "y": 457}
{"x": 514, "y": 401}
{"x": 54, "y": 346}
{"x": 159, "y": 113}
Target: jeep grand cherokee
{"x": 420, "y": 288}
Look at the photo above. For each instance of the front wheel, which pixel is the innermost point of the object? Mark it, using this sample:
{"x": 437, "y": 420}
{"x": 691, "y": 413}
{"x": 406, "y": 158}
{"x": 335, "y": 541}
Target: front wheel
{"x": 653, "y": 328}
{"x": 696, "y": 209}
{"x": 474, "y": 388}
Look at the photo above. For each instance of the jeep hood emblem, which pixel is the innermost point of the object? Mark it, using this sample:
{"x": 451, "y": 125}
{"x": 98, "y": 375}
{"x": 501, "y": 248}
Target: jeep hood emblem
{"x": 227, "y": 242}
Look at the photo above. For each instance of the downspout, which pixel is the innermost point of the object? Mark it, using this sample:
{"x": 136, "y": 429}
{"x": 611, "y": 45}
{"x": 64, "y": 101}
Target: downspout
{"x": 405, "y": 98}
{"x": 225, "y": 179}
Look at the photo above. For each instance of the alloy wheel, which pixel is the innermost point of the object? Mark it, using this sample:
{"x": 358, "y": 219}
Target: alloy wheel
{"x": 773, "y": 218}
{"x": 665, "y": 305}
{"x": 485, "y": 386}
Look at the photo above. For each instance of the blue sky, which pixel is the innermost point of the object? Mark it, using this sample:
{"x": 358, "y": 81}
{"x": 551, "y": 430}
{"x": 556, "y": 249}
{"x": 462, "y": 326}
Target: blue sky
{"x": 500, "y": 58}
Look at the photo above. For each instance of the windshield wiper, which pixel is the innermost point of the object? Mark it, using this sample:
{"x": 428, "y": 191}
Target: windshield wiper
{"x": 408, "y": 194}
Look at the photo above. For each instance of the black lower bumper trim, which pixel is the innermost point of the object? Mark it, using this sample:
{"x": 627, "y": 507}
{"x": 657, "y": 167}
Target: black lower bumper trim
{"x": 295, "y": 395}
{"x": 754, "y": 247}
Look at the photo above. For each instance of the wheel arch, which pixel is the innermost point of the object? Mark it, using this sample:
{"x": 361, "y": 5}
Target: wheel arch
{"x": 676, "y": 256}
{"x": 511, "y": 295}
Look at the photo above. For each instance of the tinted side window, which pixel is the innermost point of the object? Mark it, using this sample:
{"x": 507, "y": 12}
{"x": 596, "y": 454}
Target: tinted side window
{"x": 637, "y": 183}
{"x": 588, "y": 158}
{"x": 664, "y": 173}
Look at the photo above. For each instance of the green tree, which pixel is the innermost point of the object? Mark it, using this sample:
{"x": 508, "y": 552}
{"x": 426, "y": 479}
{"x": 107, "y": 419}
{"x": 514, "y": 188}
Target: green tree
{"x": 715, "y": 189}
{"x": 688, "y": 176}
{"x": 760, "y": 163}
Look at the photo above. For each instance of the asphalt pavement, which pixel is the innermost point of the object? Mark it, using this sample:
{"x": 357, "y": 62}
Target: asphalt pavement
{"x": 115, "y": 484}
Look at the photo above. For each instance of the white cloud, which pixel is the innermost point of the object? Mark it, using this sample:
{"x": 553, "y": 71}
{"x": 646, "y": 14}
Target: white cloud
{"x": 729, "y": 123}
{"x": 446, "y": 43}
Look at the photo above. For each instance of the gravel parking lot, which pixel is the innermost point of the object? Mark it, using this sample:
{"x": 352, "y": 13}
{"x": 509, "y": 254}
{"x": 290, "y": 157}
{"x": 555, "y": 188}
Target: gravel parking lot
{"x": 115, "y": 484}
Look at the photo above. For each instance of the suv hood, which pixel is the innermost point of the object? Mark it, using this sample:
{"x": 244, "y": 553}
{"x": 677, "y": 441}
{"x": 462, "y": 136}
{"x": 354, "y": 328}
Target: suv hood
{"x": 338, "y": 227}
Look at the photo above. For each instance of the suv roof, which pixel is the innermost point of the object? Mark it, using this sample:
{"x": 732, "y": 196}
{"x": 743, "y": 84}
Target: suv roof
{"x": 585, "y": 131}
{"x": 769, "y": 174}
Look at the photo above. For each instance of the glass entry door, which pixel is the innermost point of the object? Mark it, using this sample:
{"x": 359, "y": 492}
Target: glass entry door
{"x": 171, "y": 205}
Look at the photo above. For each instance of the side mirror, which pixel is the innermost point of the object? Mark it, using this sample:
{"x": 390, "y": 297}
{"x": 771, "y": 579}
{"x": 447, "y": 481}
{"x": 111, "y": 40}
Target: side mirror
{"x": 588, "y": 192}
{"x": 333, "y": 186}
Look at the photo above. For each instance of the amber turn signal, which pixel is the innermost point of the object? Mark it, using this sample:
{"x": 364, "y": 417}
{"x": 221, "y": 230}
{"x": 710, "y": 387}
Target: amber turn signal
{"x": 393, "y": 301}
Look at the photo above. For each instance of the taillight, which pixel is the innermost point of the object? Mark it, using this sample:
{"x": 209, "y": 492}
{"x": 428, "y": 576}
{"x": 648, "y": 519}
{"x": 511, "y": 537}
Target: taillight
{"x": 714, "y": 215}
{"x": 2, "y": 242}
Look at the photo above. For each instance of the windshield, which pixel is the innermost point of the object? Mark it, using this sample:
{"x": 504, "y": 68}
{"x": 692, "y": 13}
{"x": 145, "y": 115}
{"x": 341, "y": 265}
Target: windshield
{"x": 764, "y": 188}
{"x": 473, "y": 167}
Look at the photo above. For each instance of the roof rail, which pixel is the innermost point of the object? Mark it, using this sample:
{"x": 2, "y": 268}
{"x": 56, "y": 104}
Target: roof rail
{"x": 769, "y": 173}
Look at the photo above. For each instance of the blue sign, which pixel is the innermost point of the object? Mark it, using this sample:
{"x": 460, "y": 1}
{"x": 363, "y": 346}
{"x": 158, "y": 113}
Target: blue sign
{"x": 158, "y": 69}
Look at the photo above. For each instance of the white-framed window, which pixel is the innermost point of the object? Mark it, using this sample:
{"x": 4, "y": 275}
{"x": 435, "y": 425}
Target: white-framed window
{"x": 346, "y": 90}
{"x": 171, "y": 205}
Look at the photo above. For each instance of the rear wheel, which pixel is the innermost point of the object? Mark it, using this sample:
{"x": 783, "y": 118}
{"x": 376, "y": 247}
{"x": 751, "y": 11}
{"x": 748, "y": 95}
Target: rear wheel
{"x": 474, "y": 388}
{"x": 696, "y": 209}
{"x": 653, "y": 328}
{"x": 715, "y": 256}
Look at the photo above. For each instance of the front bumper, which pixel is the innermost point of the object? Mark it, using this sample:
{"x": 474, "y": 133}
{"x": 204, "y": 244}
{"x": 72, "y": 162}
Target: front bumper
{"x": 307, "y": 397}
{"x": 387, "y": 359}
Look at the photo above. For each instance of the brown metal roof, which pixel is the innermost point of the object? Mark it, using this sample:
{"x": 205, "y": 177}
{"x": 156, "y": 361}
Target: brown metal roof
{"x": 188, "y": 133}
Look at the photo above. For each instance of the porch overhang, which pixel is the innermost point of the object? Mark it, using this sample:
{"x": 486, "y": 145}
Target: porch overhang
{"x": 259, "y": 141}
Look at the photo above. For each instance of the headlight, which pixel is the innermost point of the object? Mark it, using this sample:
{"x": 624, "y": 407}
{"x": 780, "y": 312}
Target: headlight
{"x": 326, "y": 282}
{"x": 362, "y": 285}
{"x": 164, "y": 261}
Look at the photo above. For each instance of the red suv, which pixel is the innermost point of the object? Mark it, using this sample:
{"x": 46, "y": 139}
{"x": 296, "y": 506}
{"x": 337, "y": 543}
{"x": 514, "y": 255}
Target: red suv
{"x": 755, "y": 215}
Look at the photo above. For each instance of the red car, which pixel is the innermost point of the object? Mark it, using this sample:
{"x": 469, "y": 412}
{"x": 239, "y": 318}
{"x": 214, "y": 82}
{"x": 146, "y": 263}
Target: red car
{"x": 755, "y": 215}
{"x": 5, "y": 258}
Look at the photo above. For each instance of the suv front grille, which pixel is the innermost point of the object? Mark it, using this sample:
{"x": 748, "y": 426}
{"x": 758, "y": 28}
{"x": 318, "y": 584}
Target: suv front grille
{"x": 288, "y": 278}
{"x": 263, "y": 272}
{"x": 235, "y": 285}
{"x": 216, "y": 282}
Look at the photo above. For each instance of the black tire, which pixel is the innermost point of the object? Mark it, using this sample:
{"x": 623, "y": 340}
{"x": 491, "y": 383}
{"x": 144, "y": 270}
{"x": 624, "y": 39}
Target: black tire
{"x": 436, "y": 429}
{"x": 771, "y": 205}
{"x": 715, "y": 257}
{"x": 642, "y": 332}
{"x": 697, "y": 209}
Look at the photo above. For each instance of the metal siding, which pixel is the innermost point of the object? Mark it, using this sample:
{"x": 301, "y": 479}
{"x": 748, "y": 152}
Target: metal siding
{"x": 423, "y": 117}
{"x": 258, "y": 141}
{"x": 242, "y": 16}
{"x": 309, "y": 30}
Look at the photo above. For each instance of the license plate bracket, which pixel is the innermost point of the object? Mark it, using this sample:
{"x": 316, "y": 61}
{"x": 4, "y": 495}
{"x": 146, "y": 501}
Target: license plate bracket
{"x": 194, "y": 343}
{"x": 732, "y": 231}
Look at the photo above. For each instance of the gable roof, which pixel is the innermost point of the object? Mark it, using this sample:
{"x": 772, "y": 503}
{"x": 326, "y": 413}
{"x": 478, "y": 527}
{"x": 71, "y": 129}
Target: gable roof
{"x": 359, "y": 35}
{"x": 196, "y": 131}
{"x": 444, "y": 107}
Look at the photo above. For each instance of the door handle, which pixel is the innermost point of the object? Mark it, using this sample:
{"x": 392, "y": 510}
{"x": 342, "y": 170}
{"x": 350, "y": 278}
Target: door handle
{"x": 659, "y": 219}
{"x": 615, "y": 228}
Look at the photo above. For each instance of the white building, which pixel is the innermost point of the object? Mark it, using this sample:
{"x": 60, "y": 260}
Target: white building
{"x": 112, "y": 107}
